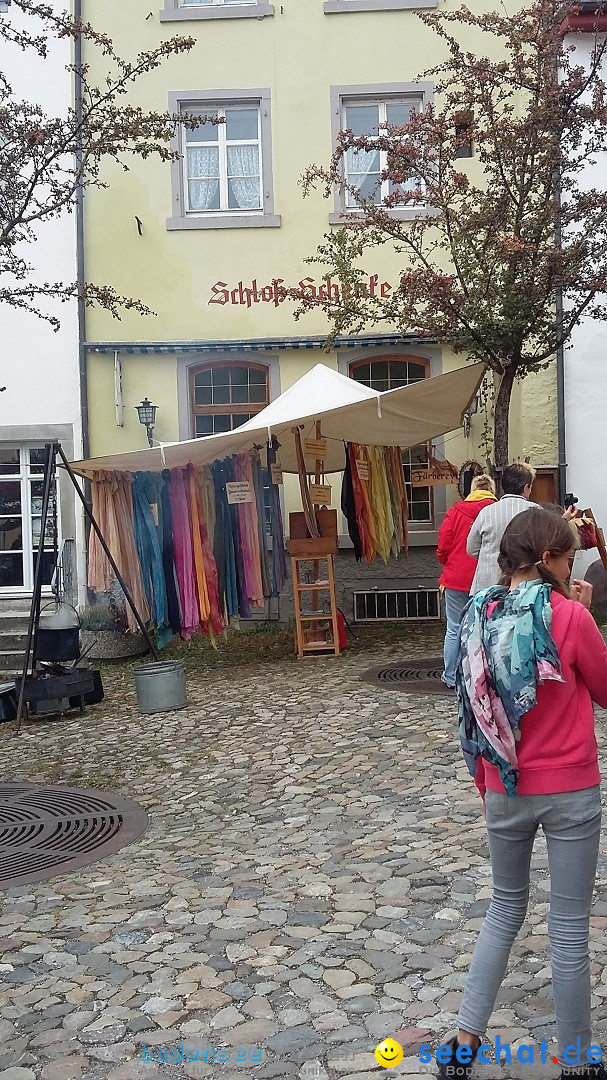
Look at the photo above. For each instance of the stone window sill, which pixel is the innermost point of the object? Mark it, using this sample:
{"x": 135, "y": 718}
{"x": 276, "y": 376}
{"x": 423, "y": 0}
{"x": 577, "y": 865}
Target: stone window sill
{"x": 336, "y": 7}
{"x": 249, "y": 221}
{"x": 225, "y": 11}
{"x": 342, "y": 217}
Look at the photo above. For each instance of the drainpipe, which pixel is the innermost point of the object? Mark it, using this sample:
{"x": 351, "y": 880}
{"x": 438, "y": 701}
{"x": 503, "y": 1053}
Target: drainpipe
{"x": 560, "y": 407}
{"x": 82, "y": 369}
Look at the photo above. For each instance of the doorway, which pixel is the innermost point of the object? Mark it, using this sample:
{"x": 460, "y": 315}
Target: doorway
{"x": 21, "y": 491}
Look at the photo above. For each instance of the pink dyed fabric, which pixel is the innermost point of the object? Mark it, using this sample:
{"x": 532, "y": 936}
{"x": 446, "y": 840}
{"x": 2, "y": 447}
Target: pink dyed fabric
{"x": 249, "y": 534}
{"x": 184, "y": 554}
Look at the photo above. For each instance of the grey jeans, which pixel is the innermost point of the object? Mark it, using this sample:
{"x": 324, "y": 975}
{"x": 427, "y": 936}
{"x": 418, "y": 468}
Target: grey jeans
{"x": 572, "y": 824}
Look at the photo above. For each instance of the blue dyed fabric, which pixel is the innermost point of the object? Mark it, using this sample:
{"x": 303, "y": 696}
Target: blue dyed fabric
{"x": 150, "y": 558}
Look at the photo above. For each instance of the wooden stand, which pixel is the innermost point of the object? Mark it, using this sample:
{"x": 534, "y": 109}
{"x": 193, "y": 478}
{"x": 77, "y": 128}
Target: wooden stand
{"x": 317, "y": 553}
{"x": 311, "y": 636}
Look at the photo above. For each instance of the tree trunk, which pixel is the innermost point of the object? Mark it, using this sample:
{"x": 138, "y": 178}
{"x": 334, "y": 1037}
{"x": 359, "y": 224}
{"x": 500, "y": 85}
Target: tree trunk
{"x": 501, "y": 421}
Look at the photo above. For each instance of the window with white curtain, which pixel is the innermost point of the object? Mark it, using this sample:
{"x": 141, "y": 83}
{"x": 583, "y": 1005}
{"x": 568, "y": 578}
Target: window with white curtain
{"x": 223, "y": 162}
{"x": 223, "y": 175}
{"x": 363, "y": 168}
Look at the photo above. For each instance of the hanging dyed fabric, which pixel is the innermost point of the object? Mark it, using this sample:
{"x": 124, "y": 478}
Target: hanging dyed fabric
{"x": 244, "y": 606}
{"x": 223, "y": 542}
{"x": 184, "y": 557}
{"x": 200, "y": 577}
{"x": 379, "y": 496}
{"x": 100, "y": 573}
{"x": 374, "y": 501}
{"x": 168, "y": 554}
{"x": 217, "y": 624}
{"x": 248, "y": 522}
{"x": 181, "y": 574}
{"x": 348, "y": 507}
{"x": 400, "y": 502}
{"x": 279, "y": 558}
{"x": 262, "y": 537}
{"x": 150, "y": 558}
{"x": 361, "y": 501}
{"x": 114, "y": 503}
{"x": 206, "y": 486}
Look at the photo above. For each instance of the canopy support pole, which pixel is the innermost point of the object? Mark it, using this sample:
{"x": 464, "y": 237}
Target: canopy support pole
{"x": 108, "y": 554}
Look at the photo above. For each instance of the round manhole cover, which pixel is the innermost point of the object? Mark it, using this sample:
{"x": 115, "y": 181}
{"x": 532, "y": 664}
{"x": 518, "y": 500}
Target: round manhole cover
{"x": 411, "y": 676}
{"x": 46, "y": 831}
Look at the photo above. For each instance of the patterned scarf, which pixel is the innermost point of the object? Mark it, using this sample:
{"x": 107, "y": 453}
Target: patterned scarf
{"x": 506, "y": 651}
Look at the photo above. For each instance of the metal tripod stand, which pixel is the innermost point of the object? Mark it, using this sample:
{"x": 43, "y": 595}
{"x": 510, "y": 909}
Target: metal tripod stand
{"x": 54, "y": 451}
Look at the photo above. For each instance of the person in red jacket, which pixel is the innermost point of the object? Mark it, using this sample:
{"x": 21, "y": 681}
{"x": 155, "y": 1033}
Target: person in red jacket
{"x": 459, "y": 567}
{"x": 532, "y": 662}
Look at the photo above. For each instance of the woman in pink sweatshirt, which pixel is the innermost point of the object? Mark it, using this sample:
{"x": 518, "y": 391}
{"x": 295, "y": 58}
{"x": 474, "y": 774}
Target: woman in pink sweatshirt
{"x": 532, "y": 663}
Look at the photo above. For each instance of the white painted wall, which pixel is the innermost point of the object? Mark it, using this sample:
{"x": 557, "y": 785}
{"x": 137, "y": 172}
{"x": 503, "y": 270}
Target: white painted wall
{"x": 586, "y": 380}
{"x": 38, "y": 366}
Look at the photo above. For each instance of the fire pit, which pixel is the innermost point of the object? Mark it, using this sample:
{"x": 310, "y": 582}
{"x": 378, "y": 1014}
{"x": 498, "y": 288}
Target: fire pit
{"x": 49, "y": 692}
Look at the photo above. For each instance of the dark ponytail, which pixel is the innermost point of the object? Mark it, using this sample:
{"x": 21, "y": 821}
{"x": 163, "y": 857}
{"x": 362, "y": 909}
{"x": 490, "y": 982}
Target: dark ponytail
{"x": 527, "y": 537}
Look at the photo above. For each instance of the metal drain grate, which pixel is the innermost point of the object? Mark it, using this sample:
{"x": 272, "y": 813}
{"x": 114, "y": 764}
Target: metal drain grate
{"x": 46, "y": 831}
{"x": 411, "y": 676}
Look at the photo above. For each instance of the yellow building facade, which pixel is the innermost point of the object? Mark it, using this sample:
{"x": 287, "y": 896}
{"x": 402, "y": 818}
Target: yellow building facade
{"x": 203, "y": 242}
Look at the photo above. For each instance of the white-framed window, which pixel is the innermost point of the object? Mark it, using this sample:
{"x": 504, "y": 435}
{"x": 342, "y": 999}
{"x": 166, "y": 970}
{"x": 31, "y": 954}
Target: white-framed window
{"x": 215, "y": 9}
{"x": 387, "y": 373}
{"x": 369, "y": 111}
{"x": 222, "y": 163}
{"x": 223, "y": 178}
{"x": 224, "y": 395}
{"x": 363, "y": 168}
{"x": 21, "y": 496}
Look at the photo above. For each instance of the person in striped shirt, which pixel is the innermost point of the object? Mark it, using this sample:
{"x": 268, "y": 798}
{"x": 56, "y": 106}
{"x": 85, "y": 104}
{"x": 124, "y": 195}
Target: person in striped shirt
{"x": 485, "y": 536}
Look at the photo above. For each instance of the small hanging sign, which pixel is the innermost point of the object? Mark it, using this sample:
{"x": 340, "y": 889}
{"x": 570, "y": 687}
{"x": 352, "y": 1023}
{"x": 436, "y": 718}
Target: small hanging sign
{"x": 315, "y": 448}
{"x": 362, "y": 468}
{"x": 239, "y": 492}
{"x": 320, "y": 494}
{"x": 276, "y": 474}
{"x": 440, "y": 472}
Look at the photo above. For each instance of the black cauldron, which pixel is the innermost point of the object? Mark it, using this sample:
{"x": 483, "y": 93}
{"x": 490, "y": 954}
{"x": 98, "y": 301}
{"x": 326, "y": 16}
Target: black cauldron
{"x": 58, "y": 643}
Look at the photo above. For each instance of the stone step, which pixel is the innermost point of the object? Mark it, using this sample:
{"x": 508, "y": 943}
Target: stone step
{"x": 12, "y": 640}
{"x": 11, "y": 661}
{"x": 14, "y": 620}
{"x": 18, "y": 606}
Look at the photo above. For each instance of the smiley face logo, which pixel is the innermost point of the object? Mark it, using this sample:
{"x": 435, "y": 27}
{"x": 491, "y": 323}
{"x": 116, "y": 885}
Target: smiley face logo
{"x": 389, "y": 1053}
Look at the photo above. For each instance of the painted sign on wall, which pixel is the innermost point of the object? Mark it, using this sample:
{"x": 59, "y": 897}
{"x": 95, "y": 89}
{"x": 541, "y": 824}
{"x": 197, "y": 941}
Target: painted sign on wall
{"x": 275, "y": 292}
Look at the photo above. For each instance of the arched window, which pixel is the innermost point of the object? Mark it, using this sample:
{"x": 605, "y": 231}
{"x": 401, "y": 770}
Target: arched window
{"x": 225, "y": 395}
{"x": 388, "y": 373}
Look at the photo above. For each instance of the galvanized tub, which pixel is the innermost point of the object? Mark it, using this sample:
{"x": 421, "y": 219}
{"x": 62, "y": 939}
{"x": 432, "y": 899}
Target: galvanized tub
{"x": 161, "y": 686}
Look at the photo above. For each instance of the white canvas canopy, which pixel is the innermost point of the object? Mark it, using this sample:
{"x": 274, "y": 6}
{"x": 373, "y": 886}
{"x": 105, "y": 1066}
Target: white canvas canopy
{"x": 346, "y": 410}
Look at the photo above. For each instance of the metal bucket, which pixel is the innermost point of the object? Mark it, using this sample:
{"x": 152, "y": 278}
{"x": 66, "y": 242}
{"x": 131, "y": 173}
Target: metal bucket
{"x": 161, "y": 686}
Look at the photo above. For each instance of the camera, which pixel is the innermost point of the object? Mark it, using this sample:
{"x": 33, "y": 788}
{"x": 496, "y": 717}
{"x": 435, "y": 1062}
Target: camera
{"x": 570, "y": 500}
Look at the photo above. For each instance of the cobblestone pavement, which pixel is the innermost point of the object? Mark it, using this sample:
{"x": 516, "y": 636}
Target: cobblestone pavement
{"x": 313, "y": 879}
